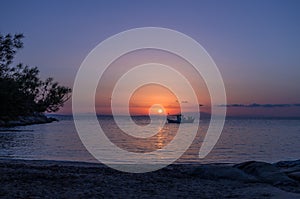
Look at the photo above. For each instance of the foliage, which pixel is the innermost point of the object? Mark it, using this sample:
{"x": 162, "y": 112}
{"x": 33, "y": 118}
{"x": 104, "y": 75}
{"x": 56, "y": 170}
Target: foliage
{"x": 22, "y": 92}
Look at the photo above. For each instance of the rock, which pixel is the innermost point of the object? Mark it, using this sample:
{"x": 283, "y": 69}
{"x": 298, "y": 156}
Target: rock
{"x": 25, "y": 120}
{"x": 295, "y": 175}
{"x": 288, "y": 163}
{"x": 214, "y": 172}
{"x": 288, "y": 170}
{"x": 266, "y": 172}
{"x": 289, "y": 167}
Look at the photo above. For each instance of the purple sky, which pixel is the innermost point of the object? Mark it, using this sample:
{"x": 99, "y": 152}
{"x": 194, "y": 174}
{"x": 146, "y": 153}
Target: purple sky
{"x": 255, "y": 44}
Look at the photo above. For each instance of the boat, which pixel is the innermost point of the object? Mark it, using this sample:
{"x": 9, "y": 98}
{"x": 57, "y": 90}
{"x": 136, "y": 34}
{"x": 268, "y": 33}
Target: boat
{"x": 178, "y": 118}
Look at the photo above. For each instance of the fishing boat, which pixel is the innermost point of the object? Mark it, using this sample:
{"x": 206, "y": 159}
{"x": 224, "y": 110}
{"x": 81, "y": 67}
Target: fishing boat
{"x": 178, "y": 118}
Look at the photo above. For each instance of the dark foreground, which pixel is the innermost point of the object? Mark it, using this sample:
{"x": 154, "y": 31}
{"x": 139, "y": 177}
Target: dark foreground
{"x": 52, "y": 179}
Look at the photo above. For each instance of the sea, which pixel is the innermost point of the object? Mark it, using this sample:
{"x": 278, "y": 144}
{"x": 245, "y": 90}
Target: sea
{"x": 245, "y": 139}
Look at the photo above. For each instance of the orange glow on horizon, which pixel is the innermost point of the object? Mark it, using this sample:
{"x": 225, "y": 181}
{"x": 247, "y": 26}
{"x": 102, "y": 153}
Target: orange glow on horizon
{"x": 153, "y": 99}
{"x": 146, "y": 96}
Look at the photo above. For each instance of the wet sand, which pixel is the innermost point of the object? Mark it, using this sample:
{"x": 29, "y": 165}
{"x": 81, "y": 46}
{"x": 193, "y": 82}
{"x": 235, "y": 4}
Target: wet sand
{"x": 57, "y": 179}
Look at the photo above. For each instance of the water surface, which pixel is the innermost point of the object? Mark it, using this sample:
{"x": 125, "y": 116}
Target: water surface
{"x": 241, "y": 140}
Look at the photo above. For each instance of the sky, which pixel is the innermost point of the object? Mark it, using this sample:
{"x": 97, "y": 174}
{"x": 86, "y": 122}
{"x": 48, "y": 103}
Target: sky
{"x": 255, "y": 44}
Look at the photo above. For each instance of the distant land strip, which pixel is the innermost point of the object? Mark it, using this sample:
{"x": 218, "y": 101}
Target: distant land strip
{"x": 255, "y": 105}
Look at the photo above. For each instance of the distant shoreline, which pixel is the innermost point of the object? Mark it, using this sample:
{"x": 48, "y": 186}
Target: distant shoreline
{"x": 43, "y": 178}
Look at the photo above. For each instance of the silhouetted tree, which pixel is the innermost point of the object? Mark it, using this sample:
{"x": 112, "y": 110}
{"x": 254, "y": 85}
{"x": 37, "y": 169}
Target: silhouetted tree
{"x": 22, "y": 92}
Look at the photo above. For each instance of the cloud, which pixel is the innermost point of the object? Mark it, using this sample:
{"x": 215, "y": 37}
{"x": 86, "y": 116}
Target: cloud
{"x": 255, "y": 105}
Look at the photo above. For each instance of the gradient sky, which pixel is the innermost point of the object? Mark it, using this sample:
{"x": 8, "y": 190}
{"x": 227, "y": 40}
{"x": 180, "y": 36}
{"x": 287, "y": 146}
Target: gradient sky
{"x": 255, "y": 44}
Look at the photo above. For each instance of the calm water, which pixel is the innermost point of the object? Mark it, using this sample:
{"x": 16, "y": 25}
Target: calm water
{"x": 241, "y": 140}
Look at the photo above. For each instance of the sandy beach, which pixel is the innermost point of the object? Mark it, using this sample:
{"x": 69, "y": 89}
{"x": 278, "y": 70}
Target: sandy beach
{"x": 57, "y": 179}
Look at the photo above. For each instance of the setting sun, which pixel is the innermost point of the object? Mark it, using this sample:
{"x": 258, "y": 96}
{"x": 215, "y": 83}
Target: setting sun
{"x": 153, "y": 99}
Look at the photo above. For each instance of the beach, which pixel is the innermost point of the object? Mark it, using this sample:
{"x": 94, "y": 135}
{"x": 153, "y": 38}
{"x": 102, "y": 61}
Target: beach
{"x": 66, "y": 179}
{"x": 49, "y": 161}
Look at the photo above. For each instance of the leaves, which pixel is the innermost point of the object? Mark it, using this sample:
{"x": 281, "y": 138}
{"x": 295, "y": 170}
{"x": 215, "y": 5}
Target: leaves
{"x": 8, "y": 47}
{"x": 22, "y": 92}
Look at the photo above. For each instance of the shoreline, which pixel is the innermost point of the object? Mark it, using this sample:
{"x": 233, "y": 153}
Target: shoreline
{"x": 60, "y": 179}
{"x": 26, "y": 120}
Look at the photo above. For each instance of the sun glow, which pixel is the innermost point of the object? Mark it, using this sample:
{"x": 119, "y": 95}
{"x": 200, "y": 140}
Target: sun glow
{"x": 156, "y": 109}
{"x": 153, "y": 99}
